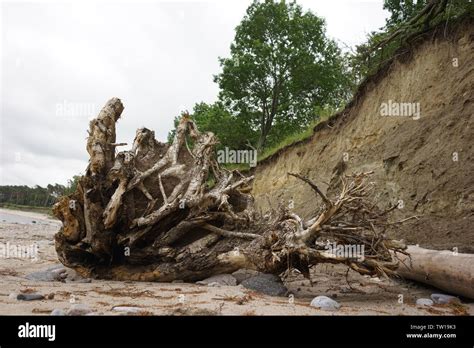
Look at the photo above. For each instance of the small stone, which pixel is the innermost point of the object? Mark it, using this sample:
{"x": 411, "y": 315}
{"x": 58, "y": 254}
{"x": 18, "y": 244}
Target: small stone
{"x": 29, "y": 297}
{"x": 127, "y": 309}
{"x": 79, "y": 309}
{"x": 59, "y": 273}
{"x": 49, "y": 274}
{"x": 83, "y": 280}
{"x": 57, "y": 312}
{"x": 424, "y": 302}
{"x": 444, "y": 299}
{"x": 325, "y": 303}
{"x": 50, "y": 296}
{"x": 220, "y": 279}
{"x": 244, "y": 273}
{"x": 268, "y": 284}
{"x": 13, "y": 296}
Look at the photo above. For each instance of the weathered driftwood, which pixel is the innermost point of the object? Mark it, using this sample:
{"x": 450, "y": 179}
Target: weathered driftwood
{"x": 162, "y": 212}
{"x": 446, "y": 270}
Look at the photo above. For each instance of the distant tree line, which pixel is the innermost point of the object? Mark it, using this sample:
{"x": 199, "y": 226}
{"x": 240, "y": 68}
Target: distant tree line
{"x": 36, "y": 196}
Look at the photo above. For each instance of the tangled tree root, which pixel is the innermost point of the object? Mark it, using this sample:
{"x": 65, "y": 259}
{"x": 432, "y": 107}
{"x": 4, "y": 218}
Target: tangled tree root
{"x": 162, "y": 212}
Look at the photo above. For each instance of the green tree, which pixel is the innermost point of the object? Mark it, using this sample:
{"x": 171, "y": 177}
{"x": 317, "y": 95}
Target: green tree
{"x": 281, "y": 67}
{"x": 72, "y": 184}
{"x": 408, "y": 18}
{"x": 231, "y": 130}
{"x": 402, "y": 10}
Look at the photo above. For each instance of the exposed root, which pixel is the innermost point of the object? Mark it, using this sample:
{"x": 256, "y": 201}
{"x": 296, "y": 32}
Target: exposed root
{"x": 150, "y": 213}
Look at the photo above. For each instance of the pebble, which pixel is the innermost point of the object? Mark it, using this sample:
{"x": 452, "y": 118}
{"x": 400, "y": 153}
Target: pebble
{"x": 244, "y": 273}
{"x": 82, "y": 280}
{"x": 49, "y": 274}
{"x": 127, "y": 309}
{"x": 268, "y": 284}
{"x": 424, "y": 302}
{"x": 220, "y": 279}
{"x": 57, "y": 312}
{"x": 443, "y": 299}
{"x": 325, "y": 303}
{"x": 29, "y": 297}
{"x": 13, "y": 296}
{"x": 79, "y": 309}
{"x": 57, "y": 273}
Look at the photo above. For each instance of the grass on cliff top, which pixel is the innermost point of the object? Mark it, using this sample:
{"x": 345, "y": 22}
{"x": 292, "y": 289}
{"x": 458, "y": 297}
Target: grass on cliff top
{"x": 288, "y": 141}
{"x": 296, "y": 137}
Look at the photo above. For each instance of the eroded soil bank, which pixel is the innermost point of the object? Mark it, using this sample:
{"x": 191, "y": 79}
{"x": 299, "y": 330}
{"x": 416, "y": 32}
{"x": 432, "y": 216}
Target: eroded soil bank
{"x": 424, "y": 164}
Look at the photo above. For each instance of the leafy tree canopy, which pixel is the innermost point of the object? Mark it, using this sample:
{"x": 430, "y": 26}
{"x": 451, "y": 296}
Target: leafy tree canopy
{"x": 282, "y": 66}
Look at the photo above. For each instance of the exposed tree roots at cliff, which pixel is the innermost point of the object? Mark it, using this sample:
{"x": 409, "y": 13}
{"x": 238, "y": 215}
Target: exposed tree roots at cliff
{"x": 162, "y": 212}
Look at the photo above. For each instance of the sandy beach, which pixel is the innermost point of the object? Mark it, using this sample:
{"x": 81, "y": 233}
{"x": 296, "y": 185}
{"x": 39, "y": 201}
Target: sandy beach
{"x": 357, "y": 295}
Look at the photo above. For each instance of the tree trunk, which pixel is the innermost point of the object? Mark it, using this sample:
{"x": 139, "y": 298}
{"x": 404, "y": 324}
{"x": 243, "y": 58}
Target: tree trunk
{"x": 446, "y": 270}
{"x": 162, "y": 212}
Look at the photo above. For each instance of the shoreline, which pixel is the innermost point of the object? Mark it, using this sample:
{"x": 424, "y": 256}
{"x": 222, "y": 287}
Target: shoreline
{"x": 28, "y": 214}
{"x": 27, "y": 209}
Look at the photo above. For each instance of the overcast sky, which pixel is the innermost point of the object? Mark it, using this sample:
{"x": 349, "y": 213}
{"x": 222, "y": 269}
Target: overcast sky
{"x": 61, "y": 61}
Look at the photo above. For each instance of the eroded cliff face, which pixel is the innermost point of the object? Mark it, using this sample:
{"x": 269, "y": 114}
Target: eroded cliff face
{"x": 423, "y": 164}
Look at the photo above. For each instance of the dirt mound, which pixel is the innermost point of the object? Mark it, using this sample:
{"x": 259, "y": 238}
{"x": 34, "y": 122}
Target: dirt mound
{"x": 423, "y": 162}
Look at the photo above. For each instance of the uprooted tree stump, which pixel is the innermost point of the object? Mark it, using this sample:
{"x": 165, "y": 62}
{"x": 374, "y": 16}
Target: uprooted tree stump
{"x": 162, "y": 212}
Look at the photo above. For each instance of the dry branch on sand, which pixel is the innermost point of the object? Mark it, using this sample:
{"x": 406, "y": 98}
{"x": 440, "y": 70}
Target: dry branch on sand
{"x": 163, "y": 212}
